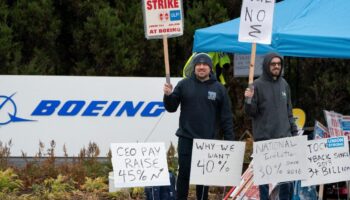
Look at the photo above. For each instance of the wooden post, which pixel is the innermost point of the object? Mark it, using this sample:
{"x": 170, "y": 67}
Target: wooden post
{"x": 320, "y": 192}
{"x": 252, "y": 64}
{"x": 251, "y": 70}
{"x": 166, "y": 59}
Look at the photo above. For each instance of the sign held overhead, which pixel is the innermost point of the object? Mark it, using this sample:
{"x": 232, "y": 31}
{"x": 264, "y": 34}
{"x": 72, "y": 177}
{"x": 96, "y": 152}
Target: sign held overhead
{"x": 163, "y": 17}
{"x": 256, "y": 21}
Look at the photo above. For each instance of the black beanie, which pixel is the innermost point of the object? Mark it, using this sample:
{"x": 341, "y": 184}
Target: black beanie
{"x": 202, "y": 58}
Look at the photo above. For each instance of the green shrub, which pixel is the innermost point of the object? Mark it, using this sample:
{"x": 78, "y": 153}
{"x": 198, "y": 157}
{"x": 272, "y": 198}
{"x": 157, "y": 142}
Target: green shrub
{"x": 59, "y": 188}
{"x": 9, "y": 181}
{"x": 95, "y": 185}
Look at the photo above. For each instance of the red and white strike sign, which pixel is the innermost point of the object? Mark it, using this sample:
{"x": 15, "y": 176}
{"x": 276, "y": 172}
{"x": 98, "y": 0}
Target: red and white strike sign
{"x": 163, "y": 17}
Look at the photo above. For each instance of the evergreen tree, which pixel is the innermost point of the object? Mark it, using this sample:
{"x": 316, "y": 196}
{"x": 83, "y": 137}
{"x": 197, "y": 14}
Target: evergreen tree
{"x": 199, "y": 14}
{"x": 36, "y": 29}
{"x": 320, "y": 84}
{"x": 6, "y": 45}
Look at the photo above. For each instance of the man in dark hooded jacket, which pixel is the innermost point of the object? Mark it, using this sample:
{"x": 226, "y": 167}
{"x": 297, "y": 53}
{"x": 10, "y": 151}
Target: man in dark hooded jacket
{"x": 205, "y": 105}
{"x": 268, "y": 102}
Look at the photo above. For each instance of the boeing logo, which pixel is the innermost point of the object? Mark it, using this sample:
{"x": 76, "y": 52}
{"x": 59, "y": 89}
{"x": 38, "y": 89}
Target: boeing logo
{"x": 71, "y": 108}
{"x": 98, "y": 108}
{"x": 8, "y": 111}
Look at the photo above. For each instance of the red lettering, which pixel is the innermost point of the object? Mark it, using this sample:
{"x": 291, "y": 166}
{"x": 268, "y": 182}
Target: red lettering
{"x": 149, "y": 5}
{"x": 153, "y": 4}
{"x": 169, "y": 3}
{"x": 162, "y": 4}
{"x": 176, "y": 3}
{"x": 334, "y": 123}
{"x": 168, "y": 30}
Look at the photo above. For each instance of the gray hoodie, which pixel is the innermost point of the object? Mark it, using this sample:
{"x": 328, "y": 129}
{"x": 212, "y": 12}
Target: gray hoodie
{"x": 271, "y": 108}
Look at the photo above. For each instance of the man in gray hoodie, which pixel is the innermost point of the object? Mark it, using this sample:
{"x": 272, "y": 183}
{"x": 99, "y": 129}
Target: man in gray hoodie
{"x": 268, "y": 103}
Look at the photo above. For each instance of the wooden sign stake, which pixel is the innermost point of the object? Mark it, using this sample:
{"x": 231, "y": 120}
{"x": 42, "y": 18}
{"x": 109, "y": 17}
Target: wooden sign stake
{"x": 166, "y": 58}
{"x": 252, "y": 64}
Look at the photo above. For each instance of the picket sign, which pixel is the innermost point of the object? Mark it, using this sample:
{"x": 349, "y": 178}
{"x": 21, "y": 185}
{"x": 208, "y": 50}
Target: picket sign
{"x": 255, "y": 27}
{"x": 162, "y": 20}
{"x": 139, "y": 164}
{"x": 337, "y": 124}
{"x": 328, "y": 161}
{"x": 216, "y": 162}
{"x": 245, "y": 188}
{"x": 279, "y": 160}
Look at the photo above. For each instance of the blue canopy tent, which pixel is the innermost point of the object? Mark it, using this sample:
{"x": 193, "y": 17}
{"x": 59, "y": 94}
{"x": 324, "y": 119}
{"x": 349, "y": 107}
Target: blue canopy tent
{"x": 301, "y": 28}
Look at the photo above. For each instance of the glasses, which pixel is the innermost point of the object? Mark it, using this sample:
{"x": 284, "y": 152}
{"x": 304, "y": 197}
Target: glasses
{"x": 275, "y": 63}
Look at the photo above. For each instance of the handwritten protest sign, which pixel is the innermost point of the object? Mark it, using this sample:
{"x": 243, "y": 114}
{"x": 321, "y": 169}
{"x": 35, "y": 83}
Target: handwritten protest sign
{"x": 279, "y": 160}
{"x": 256, "y": 27}
{"x": 216, "y": 162}
{"x": 256, "y": 21}
{"x": 162, "y": 17}
{"x": 139, "y": 164}
{"x": 328, "y": 161}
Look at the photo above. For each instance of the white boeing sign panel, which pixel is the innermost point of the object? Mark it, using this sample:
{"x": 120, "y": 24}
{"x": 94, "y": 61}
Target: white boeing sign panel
{"x": 75, "y": 110}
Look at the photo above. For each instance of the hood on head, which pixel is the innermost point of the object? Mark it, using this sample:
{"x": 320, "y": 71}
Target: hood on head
{"x": 266, "y": 65}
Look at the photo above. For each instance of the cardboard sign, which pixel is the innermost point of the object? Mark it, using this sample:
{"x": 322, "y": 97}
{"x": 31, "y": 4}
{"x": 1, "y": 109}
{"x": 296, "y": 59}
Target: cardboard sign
{"x": 162, "y": 17}
{"x": 256, "y": 21}
{"x": 279, "y": 160}
{"x": 328, "y": 161}
{"x": 139, "y": 164}
{"x": 241, "y": 63}
{"x": 216, "y": 162}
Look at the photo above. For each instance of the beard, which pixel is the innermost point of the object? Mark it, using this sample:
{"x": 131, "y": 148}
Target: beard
{"x": 275, "y": 72}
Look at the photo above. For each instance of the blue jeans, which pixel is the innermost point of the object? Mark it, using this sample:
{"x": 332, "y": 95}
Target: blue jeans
{"x": 285, "y": 191}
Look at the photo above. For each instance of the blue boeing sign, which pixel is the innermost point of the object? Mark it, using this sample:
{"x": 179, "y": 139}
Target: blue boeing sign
{"x": 95, "y": 108}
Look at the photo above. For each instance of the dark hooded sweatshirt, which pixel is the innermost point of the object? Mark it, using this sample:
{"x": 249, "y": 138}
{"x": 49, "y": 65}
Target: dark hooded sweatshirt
{"x": 204, "y": 106}
{"x": 271, "y": 108}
